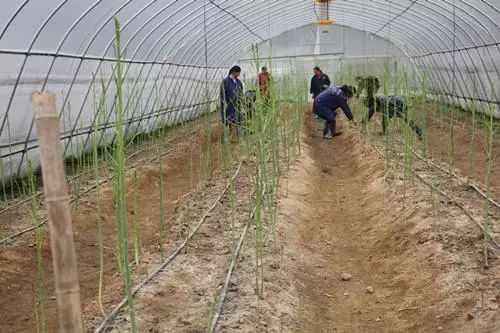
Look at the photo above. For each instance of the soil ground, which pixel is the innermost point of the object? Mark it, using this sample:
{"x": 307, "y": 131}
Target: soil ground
{"x": 468, "y": 153}
{"x": 412, "y": 270}
{"x": 413, "y": 267}
{"x": 181, "y": 173}
{"x": 465, "y": 149}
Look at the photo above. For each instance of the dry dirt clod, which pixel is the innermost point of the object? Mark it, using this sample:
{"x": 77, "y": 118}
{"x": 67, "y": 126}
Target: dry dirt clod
{"x": 370, "y": 290}
{"x": 493, "y": 307}
{"x": 346, "y": 277}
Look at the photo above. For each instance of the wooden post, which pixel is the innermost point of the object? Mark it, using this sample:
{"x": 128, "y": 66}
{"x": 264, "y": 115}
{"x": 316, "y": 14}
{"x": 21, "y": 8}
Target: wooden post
{"x": 59, "y": 214}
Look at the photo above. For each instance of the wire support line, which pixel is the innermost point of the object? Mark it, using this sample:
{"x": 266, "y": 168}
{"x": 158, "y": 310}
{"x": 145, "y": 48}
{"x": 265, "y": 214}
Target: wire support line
{"x": 97, "y": 58}
{"x": 395, "y": 17}
{"x": 469, "y": 98}
{"x": 458, "y": 49}
{"x": 109, "y": 125}
{"x": 237, "y": 19}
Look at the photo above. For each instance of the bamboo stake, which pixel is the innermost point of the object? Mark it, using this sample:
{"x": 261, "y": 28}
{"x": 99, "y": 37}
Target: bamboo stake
{"x": 59, "y": 214}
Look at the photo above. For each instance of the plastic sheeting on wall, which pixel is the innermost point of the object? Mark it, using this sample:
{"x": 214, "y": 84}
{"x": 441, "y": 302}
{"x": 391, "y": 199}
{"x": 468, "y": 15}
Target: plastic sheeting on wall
{"x": 177, "y": 51}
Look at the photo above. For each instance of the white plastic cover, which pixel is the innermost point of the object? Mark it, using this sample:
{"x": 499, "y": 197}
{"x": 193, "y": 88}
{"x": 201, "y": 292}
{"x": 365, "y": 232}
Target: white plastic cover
{"x": 176, "y": 52}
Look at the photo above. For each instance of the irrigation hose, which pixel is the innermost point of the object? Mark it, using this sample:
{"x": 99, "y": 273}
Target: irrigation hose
{"x": 453, "y": 174}
{"x": 73, "y": 178}
{"x": 232, "y": 265}
{"x": 137, "y": 288}
{"x": 73, "y": 199}
{"x": 44, "y": 221}
{"x": 460, "y": 179}
{"x": 450, "y": 199}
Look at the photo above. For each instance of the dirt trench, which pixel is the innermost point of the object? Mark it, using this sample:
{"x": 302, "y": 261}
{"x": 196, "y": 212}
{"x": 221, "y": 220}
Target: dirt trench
{"x": 408, "y": 269}
{"x": 412, "y": 269}
{"x": 349, "y": 225}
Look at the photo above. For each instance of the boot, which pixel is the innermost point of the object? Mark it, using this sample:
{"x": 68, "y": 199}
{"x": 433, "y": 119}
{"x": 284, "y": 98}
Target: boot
{"x": 419, "y": 132}
{"x": 327, "y": 131}
{"x": 333, "y": 129}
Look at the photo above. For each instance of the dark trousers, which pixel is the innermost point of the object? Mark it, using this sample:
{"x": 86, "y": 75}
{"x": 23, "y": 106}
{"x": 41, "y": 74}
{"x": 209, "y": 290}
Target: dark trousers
{"x": 328, "y": 115}
{"x": 388, "y": 112}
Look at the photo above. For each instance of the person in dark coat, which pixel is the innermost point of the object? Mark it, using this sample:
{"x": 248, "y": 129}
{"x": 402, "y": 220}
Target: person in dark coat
{"x": 231, "y": 96}
{"x": 250, "y": 100}
{"x": 371, "y": 85}
{"x": 319, "y": 82}
{"x": 391, "y": 106}
{"x": 326, "y": 104}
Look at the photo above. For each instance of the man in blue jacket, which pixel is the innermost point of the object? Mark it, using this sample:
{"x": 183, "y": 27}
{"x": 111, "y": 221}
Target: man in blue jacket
{"x": 231, "y": 97}
{"x": 319, "y": 82}
{"x": 326, "y": 104}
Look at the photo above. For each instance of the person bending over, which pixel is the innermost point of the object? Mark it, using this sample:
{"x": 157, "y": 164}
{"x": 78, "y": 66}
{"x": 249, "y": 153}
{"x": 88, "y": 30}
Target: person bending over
{"x": 371, "y": 85}
{"x": 326, "y": 104}
{"x": 391, "y": 106}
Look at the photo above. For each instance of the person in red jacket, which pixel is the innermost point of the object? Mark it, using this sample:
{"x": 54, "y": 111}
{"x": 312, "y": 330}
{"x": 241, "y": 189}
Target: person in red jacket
{"x": 263, "y": 81}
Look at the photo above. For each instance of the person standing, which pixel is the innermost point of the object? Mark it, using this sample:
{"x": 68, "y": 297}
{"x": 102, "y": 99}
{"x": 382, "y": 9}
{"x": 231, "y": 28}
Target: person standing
{"x": 263, "y": 81}
{"x": 319, "y": 82}
{"x": 326, "y": 104}
{"x": 231, "y": 96}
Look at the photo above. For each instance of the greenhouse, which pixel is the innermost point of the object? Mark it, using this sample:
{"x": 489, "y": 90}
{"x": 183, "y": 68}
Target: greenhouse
{"x": 250, "y": 166}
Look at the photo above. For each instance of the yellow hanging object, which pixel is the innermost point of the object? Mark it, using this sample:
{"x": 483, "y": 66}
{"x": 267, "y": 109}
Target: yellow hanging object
{"x": 322, "y": 10}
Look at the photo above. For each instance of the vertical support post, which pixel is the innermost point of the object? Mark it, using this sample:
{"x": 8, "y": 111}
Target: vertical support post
{"x": 59, "y": 214}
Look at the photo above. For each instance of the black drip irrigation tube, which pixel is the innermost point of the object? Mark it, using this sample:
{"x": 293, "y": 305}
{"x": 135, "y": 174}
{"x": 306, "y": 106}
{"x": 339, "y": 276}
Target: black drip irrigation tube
{"x": 457, "y": 177}
{"x": 74, "y": 198}
{"x": 174, "y": 254}
{"x": 71, "y": 179}
{"x": 494, "y": 244}
{"x": 230, "y": 270}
